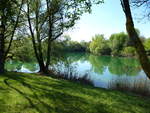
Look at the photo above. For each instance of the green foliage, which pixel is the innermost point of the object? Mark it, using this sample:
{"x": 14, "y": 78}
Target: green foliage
{"x": 99, "y": 45}
{"x": 7, "y": 10}
{"x": 67, "y": 45}
{"x": 117, "y": 45}
{"x": 76, "y": 47}
{"x": 129, "y": 51}
{"x": 117, "y": 42}
{"x": 147, "y": 44}
{"x": 9, "y": 18}
{"x": 22, "y": 50}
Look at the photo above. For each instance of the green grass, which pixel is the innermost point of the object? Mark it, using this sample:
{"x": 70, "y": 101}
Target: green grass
{"x": 31, "y": 93}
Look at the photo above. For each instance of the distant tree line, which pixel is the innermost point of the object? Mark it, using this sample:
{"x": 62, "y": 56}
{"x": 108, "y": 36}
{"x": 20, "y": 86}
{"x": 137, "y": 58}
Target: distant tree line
{"x": 117, "y": 44}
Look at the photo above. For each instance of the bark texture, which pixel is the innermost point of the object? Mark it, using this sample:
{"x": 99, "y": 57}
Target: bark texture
{"x": 2, "y": 61}
{"x": 143, "y": 58}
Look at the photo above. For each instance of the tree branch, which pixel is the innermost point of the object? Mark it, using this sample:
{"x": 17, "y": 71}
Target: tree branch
{"x": 14, "y": 29}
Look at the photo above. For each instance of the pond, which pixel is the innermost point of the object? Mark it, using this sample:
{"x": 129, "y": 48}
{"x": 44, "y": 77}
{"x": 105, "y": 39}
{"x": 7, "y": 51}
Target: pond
{"x": 101, "y": 69}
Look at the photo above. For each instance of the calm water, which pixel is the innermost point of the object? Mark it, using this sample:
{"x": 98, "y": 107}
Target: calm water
{"x": 101, "y": 69}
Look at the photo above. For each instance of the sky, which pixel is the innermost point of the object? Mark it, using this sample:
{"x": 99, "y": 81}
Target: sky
{"x": 107, "y": 18}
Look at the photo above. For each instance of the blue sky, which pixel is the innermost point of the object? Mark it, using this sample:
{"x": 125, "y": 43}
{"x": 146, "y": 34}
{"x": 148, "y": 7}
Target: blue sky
{"x": 107, "y": 18}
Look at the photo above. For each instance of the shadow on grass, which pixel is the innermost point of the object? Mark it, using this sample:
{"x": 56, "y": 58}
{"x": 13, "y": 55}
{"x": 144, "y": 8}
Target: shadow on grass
{"x": 23, "y": 94}
{"x": 46, "y": 100}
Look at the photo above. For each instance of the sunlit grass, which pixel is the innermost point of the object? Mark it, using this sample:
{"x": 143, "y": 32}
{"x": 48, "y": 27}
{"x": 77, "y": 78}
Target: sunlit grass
{"x": 31, "y": 93}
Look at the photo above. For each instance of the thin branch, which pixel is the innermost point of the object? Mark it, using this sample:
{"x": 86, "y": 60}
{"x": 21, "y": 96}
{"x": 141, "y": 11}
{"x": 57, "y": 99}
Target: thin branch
{"x": 57, "y": 36}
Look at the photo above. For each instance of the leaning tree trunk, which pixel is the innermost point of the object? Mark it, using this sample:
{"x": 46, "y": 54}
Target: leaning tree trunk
{"x": 145, "y": 63}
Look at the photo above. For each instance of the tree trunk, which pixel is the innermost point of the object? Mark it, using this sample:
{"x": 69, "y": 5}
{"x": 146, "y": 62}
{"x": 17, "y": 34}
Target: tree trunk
{"x": 43, "y": 68}
{"x": 2, "y": 45}
{"x": 50, "y": 19}
{"x": 135, "y": 38}
{"x": 37, "y": 47}
{"x": 48, "y": 55}
{"x": 49, "y": 45}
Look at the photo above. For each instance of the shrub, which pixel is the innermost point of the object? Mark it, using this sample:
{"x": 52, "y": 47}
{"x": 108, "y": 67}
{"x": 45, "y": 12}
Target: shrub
{"x": 99, "y": 46}
{"x": 129, "y": 51}
{"x": 65, "y": 70}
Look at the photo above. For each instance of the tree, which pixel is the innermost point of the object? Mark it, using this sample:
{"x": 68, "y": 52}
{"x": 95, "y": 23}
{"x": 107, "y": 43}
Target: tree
{"x": 22, "y": 50}
{"x": 135, "y": 38}
{"x": 99, "y": 45}
{"x": 128, "y": 51}
{"x": 9, "y": 19}
{"x": 147, "y": 44}
{"x": 49, "y": 19}
{"x": 117, "y": 42}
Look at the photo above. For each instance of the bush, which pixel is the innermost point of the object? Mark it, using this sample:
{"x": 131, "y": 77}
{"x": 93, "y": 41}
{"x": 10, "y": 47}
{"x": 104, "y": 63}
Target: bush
{"x": 129, "y": 51}
{"x": 117, "y": 42}
{"x": 68, "y": 71}
{"x": 99, "y": 46}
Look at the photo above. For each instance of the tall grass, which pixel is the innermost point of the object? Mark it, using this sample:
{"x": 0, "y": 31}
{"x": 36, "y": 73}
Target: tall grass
{"x": 68, "y": 70}
{"x": 138, "y": 86}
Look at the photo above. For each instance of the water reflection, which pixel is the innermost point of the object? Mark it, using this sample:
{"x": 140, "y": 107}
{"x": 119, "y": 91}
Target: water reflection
{"x": 117, "y": 66}
{"x": 99, "y": 63}
{"x": 102, "y": 68}
{"x": 27, "y": 67}
{"x": 124, "y": 66}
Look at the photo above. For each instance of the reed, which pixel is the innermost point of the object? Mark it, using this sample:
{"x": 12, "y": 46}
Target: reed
{"x": 138, "y": 86}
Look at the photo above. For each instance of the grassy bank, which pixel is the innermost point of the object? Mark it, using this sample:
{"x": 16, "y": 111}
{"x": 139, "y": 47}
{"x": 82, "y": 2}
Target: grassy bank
{"x": 31, "y": 93}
